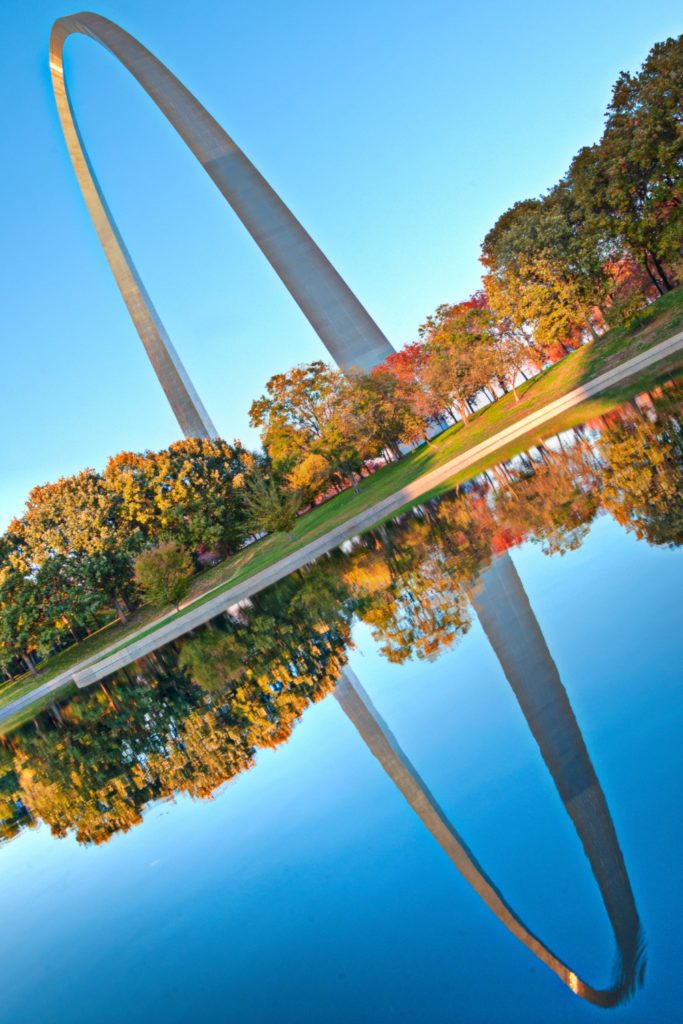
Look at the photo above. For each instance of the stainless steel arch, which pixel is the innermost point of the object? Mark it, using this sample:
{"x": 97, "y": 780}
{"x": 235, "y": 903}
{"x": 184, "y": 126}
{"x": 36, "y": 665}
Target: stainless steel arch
{"x": 346, "y": 329}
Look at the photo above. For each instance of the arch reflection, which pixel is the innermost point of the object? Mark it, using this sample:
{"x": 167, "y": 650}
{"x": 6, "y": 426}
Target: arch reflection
{"x": 510, "y": 625}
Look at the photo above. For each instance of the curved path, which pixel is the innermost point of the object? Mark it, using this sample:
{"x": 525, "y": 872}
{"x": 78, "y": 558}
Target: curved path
{"x": 345, "y": 327}
{"x": 104, "y": 663}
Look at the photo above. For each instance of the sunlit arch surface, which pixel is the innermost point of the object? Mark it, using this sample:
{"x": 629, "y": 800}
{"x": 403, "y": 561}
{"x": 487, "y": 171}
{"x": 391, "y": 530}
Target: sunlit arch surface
{"x": 346, "y": 329}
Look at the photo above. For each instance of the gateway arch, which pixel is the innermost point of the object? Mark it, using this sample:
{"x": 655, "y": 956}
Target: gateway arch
{"x": 344, "y": 326}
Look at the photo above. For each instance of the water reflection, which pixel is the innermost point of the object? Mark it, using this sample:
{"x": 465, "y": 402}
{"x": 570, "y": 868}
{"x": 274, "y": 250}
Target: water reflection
{"x": 512, "y": 629}
{"x": 194, "y": 714}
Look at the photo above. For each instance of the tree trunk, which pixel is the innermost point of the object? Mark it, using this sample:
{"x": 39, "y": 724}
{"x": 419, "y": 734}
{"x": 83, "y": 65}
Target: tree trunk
{"x": 652, "y": 277}
{"x": 28, "y": 661}
{"x": 122, "y": 609}
{"x": 594, "y": 334}
{"x": 668, "y": 286}
{"x": 351, "y": 476}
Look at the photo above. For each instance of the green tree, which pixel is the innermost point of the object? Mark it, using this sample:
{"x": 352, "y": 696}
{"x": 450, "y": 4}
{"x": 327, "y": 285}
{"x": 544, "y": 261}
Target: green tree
{"x": 163, "y": 573}
{"x": 270, "y": 508}
{"x": 642, "y": 150}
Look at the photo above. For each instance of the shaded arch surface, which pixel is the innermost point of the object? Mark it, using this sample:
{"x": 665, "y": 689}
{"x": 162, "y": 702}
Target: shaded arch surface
{"x": 346, "y": 329}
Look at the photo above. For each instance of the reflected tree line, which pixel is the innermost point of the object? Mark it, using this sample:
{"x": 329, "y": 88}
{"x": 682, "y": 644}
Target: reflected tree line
{"x": 194, "y": 715}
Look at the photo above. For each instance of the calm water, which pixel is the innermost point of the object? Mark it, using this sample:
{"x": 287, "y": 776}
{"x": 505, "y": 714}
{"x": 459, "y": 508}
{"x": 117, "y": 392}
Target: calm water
{"x": 435, "y": 777}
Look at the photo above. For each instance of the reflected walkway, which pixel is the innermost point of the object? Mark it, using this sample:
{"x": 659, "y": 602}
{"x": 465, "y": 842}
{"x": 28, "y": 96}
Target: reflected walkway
{"x": 515, "y": 635}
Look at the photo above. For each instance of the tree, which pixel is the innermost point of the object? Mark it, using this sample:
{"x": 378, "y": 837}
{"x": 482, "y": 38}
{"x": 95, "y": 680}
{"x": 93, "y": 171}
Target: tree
{"x": 310, "y": 477}
{"x": 270, "y": 508}
{"x": 163, "y": 573}
{"x": 642, "y": 150}
{"x": 73, "y": 516}
{"x": 305, "y": 412}
{"x": 18, "y": 640}
{"x": 534, "y": 293}
{"x": 293, "y": 413}
{"x": 381, "y": 415}
{"x": 544, "y": 275}
{"x": 409, "y": 367}
{"x": 459, "y": 343}
{"x": 509, "y": 357}
{"x": 78, "y": 518}
{"x": 189, "y": 492}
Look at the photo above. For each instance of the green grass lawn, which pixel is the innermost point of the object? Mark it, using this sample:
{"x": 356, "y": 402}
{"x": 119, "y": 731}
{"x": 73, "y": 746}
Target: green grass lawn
{"x": 661, "y": 320}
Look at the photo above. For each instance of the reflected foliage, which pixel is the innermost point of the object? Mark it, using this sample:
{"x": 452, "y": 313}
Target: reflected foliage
{"x": 643, "y": 476}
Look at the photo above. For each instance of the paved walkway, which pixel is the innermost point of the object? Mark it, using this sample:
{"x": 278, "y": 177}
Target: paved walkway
{"x": 103, "y": 664}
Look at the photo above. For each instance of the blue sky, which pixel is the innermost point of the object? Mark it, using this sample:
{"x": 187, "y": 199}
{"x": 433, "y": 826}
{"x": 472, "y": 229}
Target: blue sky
{"x": 396, "y": 131}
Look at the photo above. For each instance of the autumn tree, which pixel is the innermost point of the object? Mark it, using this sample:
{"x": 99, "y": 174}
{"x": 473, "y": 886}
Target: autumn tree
{"x": 189, "y": 492}
{"x": 459, "y": 342}
{"x": 310, "y": 477}
{"x": 302, "y": 414}
{"x": 380, "y": 414}
{"x": 409, "y": 367}
{"x": 536, "y": 280}
{"x": 294, "y": 412}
